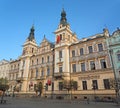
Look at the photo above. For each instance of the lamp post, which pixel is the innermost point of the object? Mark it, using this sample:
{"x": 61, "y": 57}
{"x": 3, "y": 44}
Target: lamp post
{"x": 94, "y": 87}
{"x": 52, "y": 83}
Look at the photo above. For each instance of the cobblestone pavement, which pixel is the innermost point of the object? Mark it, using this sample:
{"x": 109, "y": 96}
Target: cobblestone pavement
{"x": 52, "y": 103}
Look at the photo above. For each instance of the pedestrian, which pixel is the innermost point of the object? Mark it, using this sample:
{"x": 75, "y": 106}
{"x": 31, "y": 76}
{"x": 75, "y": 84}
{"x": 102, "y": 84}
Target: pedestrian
{"x": 87, "y": 100}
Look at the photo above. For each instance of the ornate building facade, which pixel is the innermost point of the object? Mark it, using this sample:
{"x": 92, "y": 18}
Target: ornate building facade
{"x": 4, "y": 68}
{"x": 114, "y": 50}
{"x": 69, "y": 67}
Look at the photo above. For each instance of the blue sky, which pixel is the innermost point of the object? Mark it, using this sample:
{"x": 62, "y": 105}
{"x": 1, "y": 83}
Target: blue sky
{"x": 86, "y": 17}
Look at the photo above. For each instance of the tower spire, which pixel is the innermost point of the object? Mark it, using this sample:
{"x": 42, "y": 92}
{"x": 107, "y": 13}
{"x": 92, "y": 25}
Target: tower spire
{"x": 31, "y": 34}
{"x": 63, "y": 19}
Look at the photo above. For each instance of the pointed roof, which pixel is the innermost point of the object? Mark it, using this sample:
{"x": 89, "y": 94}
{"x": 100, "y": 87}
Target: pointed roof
{"x": 31, "y": 34}
{"x": 63, "y": 19}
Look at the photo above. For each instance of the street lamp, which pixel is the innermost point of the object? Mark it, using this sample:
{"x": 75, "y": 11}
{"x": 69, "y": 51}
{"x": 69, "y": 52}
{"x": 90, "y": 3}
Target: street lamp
{"x": 94, "y": 87}
{"x": 14, "y": 91}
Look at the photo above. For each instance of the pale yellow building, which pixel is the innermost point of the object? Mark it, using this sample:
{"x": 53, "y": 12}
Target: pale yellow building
{"x": 69, "y": 68}
{"x": 4, "y": 68}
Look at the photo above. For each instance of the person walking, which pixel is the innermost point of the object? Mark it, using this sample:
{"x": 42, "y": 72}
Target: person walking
{"x": 88, "y": 101}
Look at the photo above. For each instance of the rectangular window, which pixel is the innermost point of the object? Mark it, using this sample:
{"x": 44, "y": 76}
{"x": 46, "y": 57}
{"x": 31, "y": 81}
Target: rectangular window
{"x": 46, "y": 87}
{"x": 118, "y": 56}
{"x": 42, "y": 73}
{"x": 75, "y": 85}
{"x": 74, "y": 67}
{"x": 24, "y": 63}
{"x": 16, "y": 76}
{"x": 48, "y": 58}
{"x": 60, "y": 36}
{"x": 48, "y": 71}
{"x": 36, "y": 72}
{"x": 103, "y": 63}
{"x": 60, "y": 85}
{"x": 22, "y": 74}
{"x": 42, "y": 60}
{"x": 32, "y": 50}
{"x": 106, "y": 83}
{"x": 60, "y": 54}
{"x": 92, "y": 65}
{"x": 32, "y": 62}
{"x": 82, "y": 66}
{"x": 94, "y": 84}
{"x": 32, "y": 74}
{"x": 60, "y": 69}
{"x": 73, "y": 53}
{"x": 84, "y": 84}
{"x": 81, "y": 51}
{"x": 100, "y": 47}
{"x": 37, "y": 61}
{"x": 90, "y": 49}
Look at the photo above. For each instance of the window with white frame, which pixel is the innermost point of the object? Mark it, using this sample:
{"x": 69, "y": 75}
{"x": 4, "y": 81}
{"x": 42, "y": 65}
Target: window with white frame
{"x": 60, "y": 69}
{"x": 60, "y": 36}
{"x": 32, "y": 62}
{"x": 90, "y": 49}
{"x": 36, "y": 72}
{"x": 81, "y": 51}
{"x": 82, "y": 66}
{"x": 106, "y": 83}
{"x": 42, "y": 73}
{"x": 94, "y": 84}
{"x": 60, "y": 54}
{"x": 84, "y": 84}
{"x": 37, "y": 61}
{"x": 48, "y": 71}
{"x": 48, "y": 58}
{"x": 92, "y": 65}
{"x": 74, "y": 67}
{"x": 42, "y": 59}
{"x": 23, "y": 63}
{"x": 73, "y": 53}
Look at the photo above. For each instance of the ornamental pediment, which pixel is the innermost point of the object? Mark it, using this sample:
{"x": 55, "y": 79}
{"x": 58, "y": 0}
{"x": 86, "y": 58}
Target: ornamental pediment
{"x": 116, "y": 33}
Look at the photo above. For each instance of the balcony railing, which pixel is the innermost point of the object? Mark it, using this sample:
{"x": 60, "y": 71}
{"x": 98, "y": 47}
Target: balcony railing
{"x": 14, "y": 70}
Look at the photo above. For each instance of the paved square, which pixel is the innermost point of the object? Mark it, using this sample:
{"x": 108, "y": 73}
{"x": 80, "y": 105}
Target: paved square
{"x": 49, "y": 103}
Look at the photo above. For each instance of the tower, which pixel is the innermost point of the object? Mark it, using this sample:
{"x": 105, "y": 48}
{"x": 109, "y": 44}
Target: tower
{"x": 64, "y": 37}
{"x": 29, "y": 49}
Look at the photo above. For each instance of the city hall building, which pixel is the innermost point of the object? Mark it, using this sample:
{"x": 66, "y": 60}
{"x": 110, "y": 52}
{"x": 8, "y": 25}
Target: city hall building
{"x": 69, "y": 68}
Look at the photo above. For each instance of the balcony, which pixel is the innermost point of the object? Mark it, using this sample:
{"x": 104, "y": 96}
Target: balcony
{"x": 19, "y": 79}
{"x": 14, "y": 70}
{"x": 41, "y": 65}
{"x": 40, "y": 78}
{"x": 60, "y": 75}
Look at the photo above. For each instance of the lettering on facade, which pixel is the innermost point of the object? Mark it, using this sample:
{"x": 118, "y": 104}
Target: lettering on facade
{"x": 88, "y": 77}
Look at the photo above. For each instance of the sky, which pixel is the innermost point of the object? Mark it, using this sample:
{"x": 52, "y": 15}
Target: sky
{"x": 86, "y": 18}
